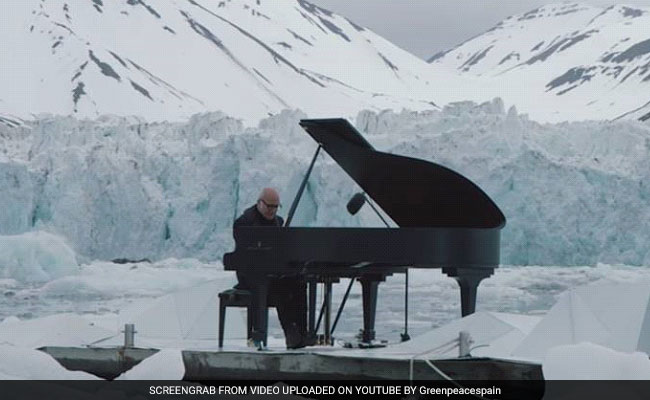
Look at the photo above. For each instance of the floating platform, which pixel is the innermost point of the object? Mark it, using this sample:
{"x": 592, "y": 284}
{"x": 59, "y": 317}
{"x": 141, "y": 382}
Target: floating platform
{"x": 313, "y": 363}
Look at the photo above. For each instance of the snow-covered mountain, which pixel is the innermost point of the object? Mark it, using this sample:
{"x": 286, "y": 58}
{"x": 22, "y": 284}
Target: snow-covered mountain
{"x": 564, "y": 61}
{"x": 170, "y": 59}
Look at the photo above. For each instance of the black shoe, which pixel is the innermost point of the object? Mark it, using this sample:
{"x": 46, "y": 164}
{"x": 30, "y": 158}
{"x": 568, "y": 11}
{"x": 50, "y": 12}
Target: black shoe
{"x": 310, "y": 340}
{"x": 257, "y": 344}
{"x": 293, "y": 336}
{"x": 293, "y": 341}
{"x": 306, "y": 340}
{"x": 296, "y": 345}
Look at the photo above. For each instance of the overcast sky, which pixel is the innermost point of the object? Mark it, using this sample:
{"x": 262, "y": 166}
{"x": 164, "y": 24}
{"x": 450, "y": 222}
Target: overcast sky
{"x": 425, "y": 27}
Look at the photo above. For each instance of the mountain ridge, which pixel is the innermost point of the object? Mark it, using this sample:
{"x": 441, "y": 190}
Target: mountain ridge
{"x": 581, "y": 57}
{"x": 171, "y": 59}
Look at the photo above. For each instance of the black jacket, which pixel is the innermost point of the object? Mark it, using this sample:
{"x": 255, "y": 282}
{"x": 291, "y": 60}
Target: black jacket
{"x": 252, "y": 217}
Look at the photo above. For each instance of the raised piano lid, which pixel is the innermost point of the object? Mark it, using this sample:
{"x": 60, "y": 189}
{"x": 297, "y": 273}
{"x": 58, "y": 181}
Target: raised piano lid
{"x": 414, "y": 192}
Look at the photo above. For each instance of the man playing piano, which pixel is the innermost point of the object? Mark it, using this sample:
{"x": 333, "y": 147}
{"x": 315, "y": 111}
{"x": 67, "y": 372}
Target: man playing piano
{"x": 287, "y": 293}
{"x": 443, "y": 220}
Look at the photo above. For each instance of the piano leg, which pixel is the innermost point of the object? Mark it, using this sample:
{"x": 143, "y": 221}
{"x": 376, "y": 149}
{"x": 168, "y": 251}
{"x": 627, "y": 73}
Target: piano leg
{"x": 328, "y": 312}
{"x": 312, "y": 285}
{"x": 369, "y": 286}
{"x": 468, "y": 279}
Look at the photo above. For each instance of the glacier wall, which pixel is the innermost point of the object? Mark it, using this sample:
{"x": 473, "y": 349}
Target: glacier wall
{"x": 118, "y": 187}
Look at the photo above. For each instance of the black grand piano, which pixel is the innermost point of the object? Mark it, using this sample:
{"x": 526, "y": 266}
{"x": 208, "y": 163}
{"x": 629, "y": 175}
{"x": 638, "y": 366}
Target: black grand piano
{"x": 445, "y": 221}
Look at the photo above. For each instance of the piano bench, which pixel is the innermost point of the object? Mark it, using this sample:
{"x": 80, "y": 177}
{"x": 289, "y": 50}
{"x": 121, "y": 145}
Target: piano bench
{"x": 235, "y": 298}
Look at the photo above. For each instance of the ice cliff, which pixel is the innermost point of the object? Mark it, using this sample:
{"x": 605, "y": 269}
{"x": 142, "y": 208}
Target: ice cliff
{"x": 118, "y": 187}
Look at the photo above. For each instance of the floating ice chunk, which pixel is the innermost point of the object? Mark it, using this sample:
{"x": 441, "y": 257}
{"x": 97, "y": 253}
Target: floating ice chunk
{"x": 102, "y": 280}
{"x": 185, "y": 315}
{"x": 12, "y": 319}
{"x": 36, "y": 257}
{"x": 609, "y": 313}
{"x": 53, "y": 330}
{"x": 591, "y": 361}
{"x": 22, "y": 363}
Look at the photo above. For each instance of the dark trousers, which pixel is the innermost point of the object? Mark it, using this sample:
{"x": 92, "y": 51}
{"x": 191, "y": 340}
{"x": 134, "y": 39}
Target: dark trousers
{"x": 288, "y": 294}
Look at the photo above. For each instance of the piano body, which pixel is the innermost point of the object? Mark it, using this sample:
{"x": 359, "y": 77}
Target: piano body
{"x": 445, "y": 221}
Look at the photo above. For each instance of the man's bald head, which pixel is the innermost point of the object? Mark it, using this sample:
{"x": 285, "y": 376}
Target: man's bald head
{"x": 268, "y": 203}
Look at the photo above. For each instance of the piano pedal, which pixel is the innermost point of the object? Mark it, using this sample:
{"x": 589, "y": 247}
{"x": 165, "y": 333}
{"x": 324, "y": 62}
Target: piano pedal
{"x": 320, "y": 340}
{"x": 373, "y": 344}
{"x": 366, "y": 345}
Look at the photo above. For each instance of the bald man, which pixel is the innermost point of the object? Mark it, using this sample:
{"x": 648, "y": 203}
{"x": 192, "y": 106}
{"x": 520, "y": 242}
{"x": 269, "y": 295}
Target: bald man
{"x": 288, "y": 294}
